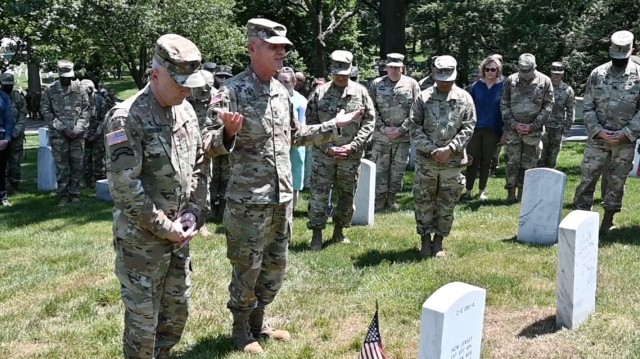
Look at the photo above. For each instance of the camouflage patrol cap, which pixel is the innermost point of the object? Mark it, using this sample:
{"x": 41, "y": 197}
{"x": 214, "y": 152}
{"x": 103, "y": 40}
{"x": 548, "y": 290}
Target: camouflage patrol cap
{"x": 269, "y": 31}
{"x": 526, "y": 63}
{"x": 445, "y": 68}
{"x": 395, "y": 59}
{"x": 181, "y": 58}
{"x": 621, "y": 44}
{"x": 65, "y": 68}
{"x": 208, "y": 77}
{"x": 341, "y": 62}
{"x": 557, "y": 68}
{"x": 209, "y": 66}
{"x": 7, "y": 79}
{"x": 382, "y": 65}
{"x": 223, "y": 70}
{"x": 355, "y": 71}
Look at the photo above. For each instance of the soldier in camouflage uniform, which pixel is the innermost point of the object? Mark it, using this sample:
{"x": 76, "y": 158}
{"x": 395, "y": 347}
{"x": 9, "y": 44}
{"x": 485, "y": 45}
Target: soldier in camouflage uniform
{"x": 526, "y": 103}
{"x": 561, "y": 118}
{"x": 392, "y": 97}
{"x": 428, "y": 81}
{"x": 612, "y": 120}
{"x": 93, "y": 159}
{"x": 336, "y": 164}
{"x": 19, "y": 109}
{"x": 220, "y": 164}
{"x": 66, "y": 109}
{"x": 443, "y": 118}
{"x": 258, "y": 216}
{"x": 155, "y": 164}
{"x": 6, "y": 135}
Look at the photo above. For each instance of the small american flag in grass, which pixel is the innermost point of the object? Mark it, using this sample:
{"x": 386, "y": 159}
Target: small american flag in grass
{"x": 372, "y": 348}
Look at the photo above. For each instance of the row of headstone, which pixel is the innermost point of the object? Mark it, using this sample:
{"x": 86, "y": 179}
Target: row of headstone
{"x": 46, "y": 165}
{"x": 453, "y": 316}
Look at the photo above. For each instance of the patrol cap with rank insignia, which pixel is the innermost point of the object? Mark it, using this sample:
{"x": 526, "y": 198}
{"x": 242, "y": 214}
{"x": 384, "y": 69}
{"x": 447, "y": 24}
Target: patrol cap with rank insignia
{"x": 7, "y": 79}
{"x": 209, "y": 66}
{"x": 557, "y": 68}
{"x": 65, "y": 68}
{"x": 526, "y": 63}
{"x": 395, "y": 60}
{"x": 181, "y": 58}
{"x": 341, "y": 62}
{"x": 445, "y": 68}
{"x": 621, "y": 44}
{"x": 269, "y": 31}
{"x": 223, "y": 71}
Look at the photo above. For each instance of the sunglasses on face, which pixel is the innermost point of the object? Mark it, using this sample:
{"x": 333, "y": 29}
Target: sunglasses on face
{"x": 490, "y": 69}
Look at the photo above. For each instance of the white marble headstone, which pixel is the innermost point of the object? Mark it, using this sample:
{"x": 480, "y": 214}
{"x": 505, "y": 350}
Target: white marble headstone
{"x": 365, "y": 197}
{"x": 412, "y": 157}
{"x": 541, "y": 206}
{"x": 47, "y": 180}
{"x": 636, "y": 161}
{"x": 577, "y": 268}
{"x": 579, "y": 108}
{"x": 452, "y": 320}
{"x": 102, "y": 191}
{"x": 43, "y": 137}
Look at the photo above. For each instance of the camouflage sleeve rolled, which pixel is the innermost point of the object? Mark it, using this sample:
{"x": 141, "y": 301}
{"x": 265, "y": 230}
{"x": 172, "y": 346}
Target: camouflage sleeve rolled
{"x": 85, "y": 115}
{"x": 505, "y": 107}
{"x": 415, "y": 91}
{"x": 199, "y": 188}
{"x": 418, "y": 137}
{"x": 213, "y": 143}
{"x": 367, "y": 124}
{"x": 47, "y": 112}
{"x": 460, "y": 141}
{"x": 591, "y": 122}
{"x": 124, "y": 166}
{"x": 570, "y": 109}
{"x": 21, "y": 116}
{"x": 547, "y": 106}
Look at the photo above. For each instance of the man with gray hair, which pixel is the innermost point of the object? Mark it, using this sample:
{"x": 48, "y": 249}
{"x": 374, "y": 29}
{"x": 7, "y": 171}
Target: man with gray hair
{"x": 612, "y": 120}
{"x": 258, "y": 216}
{"x": 526, "y": 103}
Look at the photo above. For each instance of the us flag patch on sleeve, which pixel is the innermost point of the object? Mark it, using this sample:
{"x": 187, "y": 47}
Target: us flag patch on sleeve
{"x": 115, "y": 137}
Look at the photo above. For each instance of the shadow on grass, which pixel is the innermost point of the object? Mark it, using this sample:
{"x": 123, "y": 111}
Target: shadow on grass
{"x": 375, "y": 257}
{"x": 215, "y": 347}
{"x": 539, "y": 328}
{"x": 624, "y": 235}
{"x": 475, "y": 204}
{"x": 514, "y": 240}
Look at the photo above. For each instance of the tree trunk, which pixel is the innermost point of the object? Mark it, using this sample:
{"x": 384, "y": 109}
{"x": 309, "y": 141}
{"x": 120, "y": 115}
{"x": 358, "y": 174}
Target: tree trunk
{"x": 320, "y": 63}
{"x": 33, "y": 81}
{"x": 392, "y": 16}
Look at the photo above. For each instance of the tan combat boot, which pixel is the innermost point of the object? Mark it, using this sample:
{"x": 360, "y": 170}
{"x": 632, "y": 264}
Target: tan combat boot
{"x": 511, "y": 195}
{"x": 425, "y": 248}
{"x": 519, "y": 196}
{"x": 338, "y": 236}
{"x": 316, "y": 240}
{"x": 607, "y": 221}
{"x": 261, "y": 330}
{"x": 391, "y": 201}
{"x": 437, "y": 246}
{"x": 241, "y": 333}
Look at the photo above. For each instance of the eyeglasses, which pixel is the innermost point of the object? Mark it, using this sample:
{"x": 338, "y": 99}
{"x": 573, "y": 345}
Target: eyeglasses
{"x": 490, "y": 69}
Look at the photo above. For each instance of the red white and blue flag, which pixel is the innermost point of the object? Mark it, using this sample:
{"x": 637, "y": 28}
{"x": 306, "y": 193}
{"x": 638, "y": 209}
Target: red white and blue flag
{"x": 372, "y": 348}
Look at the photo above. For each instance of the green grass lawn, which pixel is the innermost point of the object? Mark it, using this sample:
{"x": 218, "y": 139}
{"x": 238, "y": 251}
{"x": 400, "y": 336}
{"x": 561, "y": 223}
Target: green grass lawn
{"x": 60, "y": 299}
{"x": 122, "y": 89}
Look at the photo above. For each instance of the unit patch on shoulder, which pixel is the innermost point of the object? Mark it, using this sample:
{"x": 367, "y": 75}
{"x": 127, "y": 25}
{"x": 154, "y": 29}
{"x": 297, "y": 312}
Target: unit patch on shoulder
{"x": 115, "y": 137}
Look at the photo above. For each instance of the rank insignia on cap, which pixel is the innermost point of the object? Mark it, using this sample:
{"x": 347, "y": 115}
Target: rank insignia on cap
{"x": 116, "y": 137}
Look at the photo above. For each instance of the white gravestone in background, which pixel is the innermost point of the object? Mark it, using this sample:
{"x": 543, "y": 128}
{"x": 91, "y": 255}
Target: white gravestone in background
{"x": 541, "y": 206}
{"x": 46, "y": 166}
{"x": 452, "y": 320}
{"x": 102, "y": 191}
{"x": 636, "y": 160}
{"x": 577, "y": 268}
{"x": 365, "y": 197}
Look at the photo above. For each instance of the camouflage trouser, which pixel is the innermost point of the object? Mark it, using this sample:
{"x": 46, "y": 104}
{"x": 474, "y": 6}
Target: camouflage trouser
{"x": 520, "y": 157}
{"x": 391, "y": 161}
{"x": 258, "y": 238}
{"x": 16, "y": 154}
{"x": 308, "y": 164}
{"x": 155, "y": 285}
{"x": 551, "y": 144}
{"x": 596, "y": 155}
{"x": 219, "y": 177}
{"x": 436, "y": 191}
{"x": 68, "y": 158}
{"x": 93, "y": 161}
{"x": 342, "y": 176}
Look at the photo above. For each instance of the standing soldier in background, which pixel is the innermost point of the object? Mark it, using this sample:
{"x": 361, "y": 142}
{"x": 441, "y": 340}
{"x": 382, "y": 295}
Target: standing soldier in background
{"x": 93, "y": 159}
{"x": 527, "y": 102}
{"x": 258, "y": 217}
{"x": 442, "y": 118}
{"x": 392, "y": 97}
{"x": 612, "y": 120}
{"x": 16, "y": 152}
{"x": 336, "y": 164}
{"x": 561, "y": 118}
{"x": 221, "y": 74}
{"x": 209, "y": 66}
{"x": 219, "y": 164}
{"x": 66, "y": 109}
{"x": 200, "y": 99}
{"x": 428, "y": 81}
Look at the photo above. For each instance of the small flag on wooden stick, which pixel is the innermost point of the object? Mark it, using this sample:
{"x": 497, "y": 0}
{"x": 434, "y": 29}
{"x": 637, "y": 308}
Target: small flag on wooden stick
{"x": 372, "y": 347}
